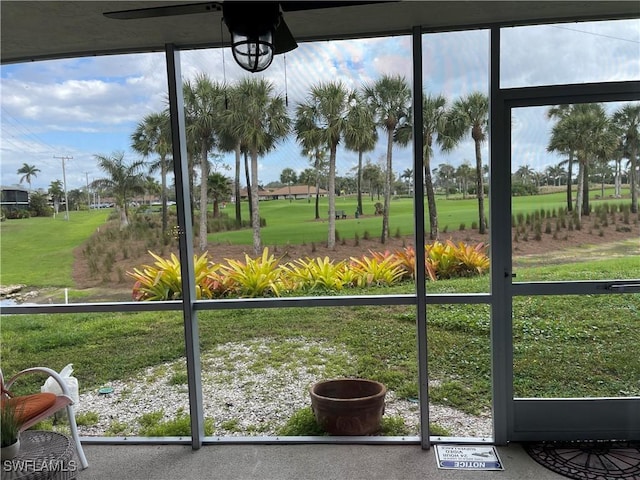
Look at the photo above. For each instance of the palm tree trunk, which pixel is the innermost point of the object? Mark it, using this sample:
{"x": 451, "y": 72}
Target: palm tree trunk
{"x": 237, "y": 187}
{"x": 192, "y": 193}
{"x": 124, "y": 219}
{"x": 317, "y": 196}
{"x": 255, "y": 212}
{"x": 618, "y": 178}
{"x": 431, "y": 198}
{"x": 204, "y": 175}
{"x": 359, "y": 181}
{"x": 480, "y": 189}
{"x": 249, "y": 189}
{"x": 632, "y": 180}
{"x": 331, "y": 241}
{"x": 585, "y": 190}
{"x": 387, "y": 189}
{"x": 580, "y": 191}
{"x": 569, "y": 182}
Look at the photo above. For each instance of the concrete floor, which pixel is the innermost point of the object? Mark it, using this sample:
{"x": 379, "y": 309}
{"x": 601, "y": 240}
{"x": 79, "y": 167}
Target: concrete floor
{"x": 295, "y": 462}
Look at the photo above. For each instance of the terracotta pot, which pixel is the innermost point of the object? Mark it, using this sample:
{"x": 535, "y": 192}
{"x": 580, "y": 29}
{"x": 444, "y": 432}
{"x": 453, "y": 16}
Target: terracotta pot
{"x": 348, "y": 406}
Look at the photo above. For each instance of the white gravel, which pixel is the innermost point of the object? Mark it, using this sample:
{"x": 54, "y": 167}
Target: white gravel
{"x": 245, "y": 396}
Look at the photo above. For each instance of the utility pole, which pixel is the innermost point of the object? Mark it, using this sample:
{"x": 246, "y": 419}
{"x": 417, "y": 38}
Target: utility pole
{"x": 86, "y": 174}
{"x": 64, "y": 183}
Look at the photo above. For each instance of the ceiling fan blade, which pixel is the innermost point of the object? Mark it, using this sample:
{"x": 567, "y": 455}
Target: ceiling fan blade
{"x": 283, "y": 40}
{"x": 168, "y": 11}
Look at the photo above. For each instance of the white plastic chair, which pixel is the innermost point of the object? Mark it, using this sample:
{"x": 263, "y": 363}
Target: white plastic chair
{"x": 63, "y": 400}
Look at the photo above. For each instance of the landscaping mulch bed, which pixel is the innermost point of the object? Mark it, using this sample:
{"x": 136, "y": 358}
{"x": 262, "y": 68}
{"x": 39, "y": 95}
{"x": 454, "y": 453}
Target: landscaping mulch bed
{"x": 566, "y": 240}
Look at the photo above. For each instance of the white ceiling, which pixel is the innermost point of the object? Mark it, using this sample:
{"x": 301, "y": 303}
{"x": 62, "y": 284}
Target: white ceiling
{"x": 33, "y": 30}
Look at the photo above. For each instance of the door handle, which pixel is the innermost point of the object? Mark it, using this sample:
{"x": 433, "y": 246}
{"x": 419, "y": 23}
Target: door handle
{"x": 624, "y": 287}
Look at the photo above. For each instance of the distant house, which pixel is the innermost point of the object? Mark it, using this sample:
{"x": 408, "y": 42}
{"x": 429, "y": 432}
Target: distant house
{"x": 263, "y": 194}
{"x": 297, "y": 192}
{"x": 14, "y": 198}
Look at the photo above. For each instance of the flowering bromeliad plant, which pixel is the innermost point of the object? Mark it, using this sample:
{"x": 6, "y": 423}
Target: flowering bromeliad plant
{"x": 164, "y": 280}
{"x": 378, "y": 269}
{"x": 448, "y": 260}
{"x": 264, "y": 276}
{"x": 253, "y": 277}
{"x": 318, "y": 273}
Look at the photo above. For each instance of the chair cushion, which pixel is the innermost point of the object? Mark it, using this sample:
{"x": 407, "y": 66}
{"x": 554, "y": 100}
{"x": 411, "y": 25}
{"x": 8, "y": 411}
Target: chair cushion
{"x": 30, "y": 406}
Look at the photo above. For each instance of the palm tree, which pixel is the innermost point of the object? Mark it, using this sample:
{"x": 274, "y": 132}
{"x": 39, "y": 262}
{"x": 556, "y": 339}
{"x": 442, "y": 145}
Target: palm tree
{"x": 220, "y": 190}
{"x": 75, "y": 198}
{"x": 204, "y": 103}
{"x": 559, "y": 112}
{"x": 123, "y": 180}
{"x": 322, "y": 121}
{"x": 361, "y": 136}
{"x": 390, "y": 98}
{"x": 433, "y": 124}
{"x": 627, "y": 118}
{"x": 555, "y": 173}
{"x": 229, "y": 141}
{"x": 153, "y": 135}
{"x": 601, "y": 146}
{"x": 151, "y": 188}
{"x": 57, "y": 193}
{"x": 374, "y": 176}
{"x": 28, "y": 171}
{"x": 318, "y": 157}
{"x": 587, "y": 131}
{"x": 563, "y": 140}
{"x": 464, "y": 175}
{"x": 288, "y": 176}
{"x": 407, "y": 176}
{"x": 470, "y": 115}
{"x": 260, "y": 120}
{"x": 445, "y": 174}
{"x": 525, "y": 173}
{"x": 307, "y": 177}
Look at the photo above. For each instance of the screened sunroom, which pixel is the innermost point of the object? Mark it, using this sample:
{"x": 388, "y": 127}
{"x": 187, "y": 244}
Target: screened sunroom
{"x": 541, "y": 345}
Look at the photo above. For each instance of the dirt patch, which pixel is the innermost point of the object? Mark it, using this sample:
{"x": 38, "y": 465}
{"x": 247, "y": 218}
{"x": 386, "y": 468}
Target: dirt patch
{"x": 116, "y": 284}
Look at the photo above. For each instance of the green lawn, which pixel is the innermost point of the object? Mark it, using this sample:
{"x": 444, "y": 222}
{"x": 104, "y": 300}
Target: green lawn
{"x": 563, "y": 346}
{"x": 39, "y": 251}
{"x": 294, "y": 222}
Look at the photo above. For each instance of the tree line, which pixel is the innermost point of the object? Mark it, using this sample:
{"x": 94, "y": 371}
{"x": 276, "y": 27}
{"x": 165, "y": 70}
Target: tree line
{"x": 249, "y": 119}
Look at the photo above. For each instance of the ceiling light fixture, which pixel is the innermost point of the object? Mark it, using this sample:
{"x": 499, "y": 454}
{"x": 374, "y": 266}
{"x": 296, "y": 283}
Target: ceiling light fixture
{"x": 253, "y": 28}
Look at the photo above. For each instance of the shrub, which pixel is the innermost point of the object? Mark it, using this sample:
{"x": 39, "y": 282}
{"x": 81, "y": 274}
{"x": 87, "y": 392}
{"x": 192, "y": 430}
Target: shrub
{"x": 449, "y": 260}
{"x": 164, "y": 282}
{"x": 379, "y": 269}
{"x": 302, "y": 423}
{"x": 253, "y": 277}
{"x": 39, "y": 205}
{"x": 152, "y": 425}
{"x": 263, "y": 276}
{"x": 311, "y": 274}
{"x": 407, "y": 261}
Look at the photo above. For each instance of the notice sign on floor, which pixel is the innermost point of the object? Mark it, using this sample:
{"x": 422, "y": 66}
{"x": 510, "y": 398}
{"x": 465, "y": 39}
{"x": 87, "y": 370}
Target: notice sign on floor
{"x": 468, "y": 457}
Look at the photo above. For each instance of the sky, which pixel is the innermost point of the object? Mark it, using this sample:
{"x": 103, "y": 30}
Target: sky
{"x": 79, "y": 108}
